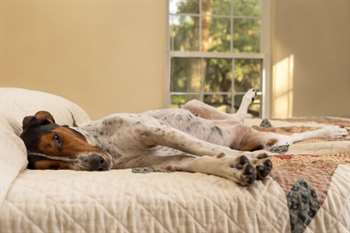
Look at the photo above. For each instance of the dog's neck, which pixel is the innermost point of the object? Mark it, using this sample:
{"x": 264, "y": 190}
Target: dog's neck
{"x": 91, "y": 139}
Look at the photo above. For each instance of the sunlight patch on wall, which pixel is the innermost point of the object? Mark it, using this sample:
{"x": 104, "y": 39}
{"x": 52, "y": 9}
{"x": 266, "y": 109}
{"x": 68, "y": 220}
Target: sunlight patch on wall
{"x": 282, "y": 88}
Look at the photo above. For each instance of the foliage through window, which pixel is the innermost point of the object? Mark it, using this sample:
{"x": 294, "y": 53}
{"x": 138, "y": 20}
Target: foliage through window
{"x": 215, "y": 52}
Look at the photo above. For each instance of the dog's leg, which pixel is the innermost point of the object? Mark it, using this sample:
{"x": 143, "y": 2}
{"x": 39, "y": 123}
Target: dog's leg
{"x": 280, "y": 142}
{"x": 208, "y": 112}
{"x": 205, "y": 111}
{"x": 327, "y": 132}
{"x": 167, "y": 136}
{"x": 176, "y": 139}
{"x": 247, "y": 99}
{"x": 237, "y": 169}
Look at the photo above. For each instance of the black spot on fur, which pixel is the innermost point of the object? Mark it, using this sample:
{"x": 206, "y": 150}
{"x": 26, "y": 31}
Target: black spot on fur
{"x": 217, "y": 129}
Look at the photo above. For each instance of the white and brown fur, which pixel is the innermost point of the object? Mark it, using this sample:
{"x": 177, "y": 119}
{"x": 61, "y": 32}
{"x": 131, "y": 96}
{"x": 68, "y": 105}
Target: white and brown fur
{"x": 196, "y": 138}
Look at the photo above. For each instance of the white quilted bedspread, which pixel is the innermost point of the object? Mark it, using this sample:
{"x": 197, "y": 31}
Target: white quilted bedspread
{"x": 121, "y": 201}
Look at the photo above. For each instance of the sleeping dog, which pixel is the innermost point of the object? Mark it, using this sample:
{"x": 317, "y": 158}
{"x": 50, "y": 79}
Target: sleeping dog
{"x": 196, "y": 138}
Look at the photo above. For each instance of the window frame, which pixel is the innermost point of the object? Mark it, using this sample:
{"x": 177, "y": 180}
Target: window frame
{"x": 264, "y": 55}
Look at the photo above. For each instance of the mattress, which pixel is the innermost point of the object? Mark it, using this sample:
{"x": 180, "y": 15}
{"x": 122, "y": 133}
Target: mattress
{"x": 308, "y": 191}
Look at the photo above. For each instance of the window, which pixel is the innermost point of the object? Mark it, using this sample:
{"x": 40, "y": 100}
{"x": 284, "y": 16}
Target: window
{"x": 217, "y": 52}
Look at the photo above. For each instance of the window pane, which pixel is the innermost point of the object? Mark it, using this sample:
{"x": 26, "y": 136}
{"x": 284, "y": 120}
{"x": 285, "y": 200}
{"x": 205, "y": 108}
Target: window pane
{"x": 248, "y": 74}
{"x": 247, "y": 7}
{"x": 217, "y": 7}
{"x": 184, "y": 6}
{"x": 246, "y": 36}
{"x": 254, "y": 108}
{"x": 184, "y": 33}
{"x": 216, "y": 34}
{"x": 186, "y": 74}
{"x": 179, "y": 100}
{"x": 221, "y": 102}
{"x": 218, "y": 75}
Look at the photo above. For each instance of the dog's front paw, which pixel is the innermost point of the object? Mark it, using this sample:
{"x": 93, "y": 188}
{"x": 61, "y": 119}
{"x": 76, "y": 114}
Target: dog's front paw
{"x": 238, "y": 169}
{"x": 248, "y": 167}
{"x": 263, "y": 166}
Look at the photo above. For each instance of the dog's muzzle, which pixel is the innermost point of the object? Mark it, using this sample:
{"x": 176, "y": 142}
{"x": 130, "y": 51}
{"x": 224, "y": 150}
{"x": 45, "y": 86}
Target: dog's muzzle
{"x": 95, "y": 162}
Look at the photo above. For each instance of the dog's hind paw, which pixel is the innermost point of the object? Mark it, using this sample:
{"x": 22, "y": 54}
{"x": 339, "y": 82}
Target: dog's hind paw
{"x": 333, "y": 132}
{"x": 265, "y": 123}
{"x": 250, "y": 95}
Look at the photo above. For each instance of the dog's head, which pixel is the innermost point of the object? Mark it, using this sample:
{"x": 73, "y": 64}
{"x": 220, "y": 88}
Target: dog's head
{"x": 52, "y": 146}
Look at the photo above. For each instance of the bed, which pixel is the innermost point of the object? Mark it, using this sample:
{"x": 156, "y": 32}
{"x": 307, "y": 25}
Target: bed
{"x": 308, "y": 190}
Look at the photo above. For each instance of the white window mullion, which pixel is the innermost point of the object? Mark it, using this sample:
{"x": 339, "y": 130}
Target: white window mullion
{"x": 233, "y": 86}
{"x": 266, "y": 50}
{"x": 195, "y": 54}
{"x": 202, "y": 72}
{"x": 169, "y": 45}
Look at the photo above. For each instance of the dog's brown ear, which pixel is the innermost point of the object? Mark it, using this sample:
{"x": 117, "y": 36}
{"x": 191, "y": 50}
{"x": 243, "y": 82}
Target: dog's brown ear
{"x": 45, "y": 117}
{"x": 40, "y": 118}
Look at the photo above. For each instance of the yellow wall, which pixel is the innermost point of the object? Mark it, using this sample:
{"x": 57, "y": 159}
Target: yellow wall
{"x": 110, "y": 55}
{"x": 311, "y": 57}
{"x": 106, "y": 55}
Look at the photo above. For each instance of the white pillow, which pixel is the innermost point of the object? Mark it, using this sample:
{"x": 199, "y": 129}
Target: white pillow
{"x": 16, "y": 103}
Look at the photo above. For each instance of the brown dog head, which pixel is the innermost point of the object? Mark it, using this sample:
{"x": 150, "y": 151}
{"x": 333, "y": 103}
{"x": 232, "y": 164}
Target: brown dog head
{"x": 52, "y": 146}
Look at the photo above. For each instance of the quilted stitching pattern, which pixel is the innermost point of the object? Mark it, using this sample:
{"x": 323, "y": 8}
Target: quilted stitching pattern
{"x": 334, "y": 216}
{"x": 121, "y": 201}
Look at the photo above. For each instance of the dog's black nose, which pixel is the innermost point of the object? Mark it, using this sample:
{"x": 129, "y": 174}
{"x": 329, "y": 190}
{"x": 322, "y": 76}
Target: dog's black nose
{"x": 98, "y": 163}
